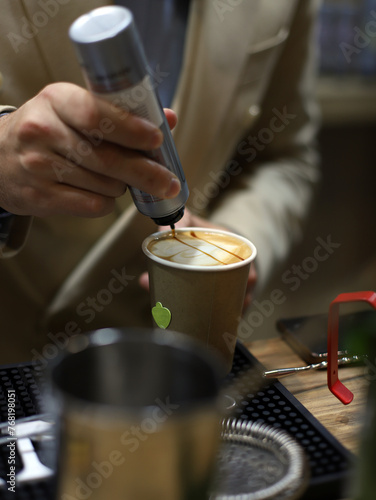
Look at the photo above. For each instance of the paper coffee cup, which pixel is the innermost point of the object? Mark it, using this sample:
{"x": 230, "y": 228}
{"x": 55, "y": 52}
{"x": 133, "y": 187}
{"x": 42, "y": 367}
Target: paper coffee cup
{"x": 197, "y": 295}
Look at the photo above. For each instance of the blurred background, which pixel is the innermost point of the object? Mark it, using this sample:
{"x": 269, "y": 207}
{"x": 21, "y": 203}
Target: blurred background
{"x": 343, "y": 214}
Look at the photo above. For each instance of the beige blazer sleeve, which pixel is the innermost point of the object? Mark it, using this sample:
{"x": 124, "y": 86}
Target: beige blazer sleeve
{"x": 272, "y": 179}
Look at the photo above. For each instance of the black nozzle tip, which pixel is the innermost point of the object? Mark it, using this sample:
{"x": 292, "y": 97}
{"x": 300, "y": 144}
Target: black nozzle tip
{"x": 169, "y": 220}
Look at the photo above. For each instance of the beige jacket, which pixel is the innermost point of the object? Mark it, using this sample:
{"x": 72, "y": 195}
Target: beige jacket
{"x": 244, "y": 103}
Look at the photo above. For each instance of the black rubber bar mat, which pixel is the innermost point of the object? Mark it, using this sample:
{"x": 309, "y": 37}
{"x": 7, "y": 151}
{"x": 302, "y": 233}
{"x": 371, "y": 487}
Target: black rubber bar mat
{"x": 250, "y": 397}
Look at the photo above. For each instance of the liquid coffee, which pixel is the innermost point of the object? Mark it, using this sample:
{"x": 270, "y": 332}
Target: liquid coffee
{"x": 199, "y": 248}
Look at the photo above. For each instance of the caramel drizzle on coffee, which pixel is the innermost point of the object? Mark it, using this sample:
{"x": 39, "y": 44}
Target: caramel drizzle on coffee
{"x": 194, "y": 235}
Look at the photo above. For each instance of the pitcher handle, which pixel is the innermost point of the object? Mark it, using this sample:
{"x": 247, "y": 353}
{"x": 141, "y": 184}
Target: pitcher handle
{"x": 334, "y": 384}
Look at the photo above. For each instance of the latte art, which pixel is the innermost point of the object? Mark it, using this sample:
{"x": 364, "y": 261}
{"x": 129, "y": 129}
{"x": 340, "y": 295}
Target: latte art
{"x": 200, "y": 248}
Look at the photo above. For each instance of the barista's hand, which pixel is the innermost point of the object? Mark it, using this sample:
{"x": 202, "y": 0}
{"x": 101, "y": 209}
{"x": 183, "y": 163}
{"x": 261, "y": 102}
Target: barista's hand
{"x": 191, "y": 220}
{"x": 68, "y": 152}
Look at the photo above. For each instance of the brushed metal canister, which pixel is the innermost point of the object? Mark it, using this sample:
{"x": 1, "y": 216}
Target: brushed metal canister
{"x": 113, "y": 61}
{"x": 139, "y": 416}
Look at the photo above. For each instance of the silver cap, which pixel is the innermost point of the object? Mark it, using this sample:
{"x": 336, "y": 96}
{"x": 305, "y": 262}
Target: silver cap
{"x": 108, "y": 47}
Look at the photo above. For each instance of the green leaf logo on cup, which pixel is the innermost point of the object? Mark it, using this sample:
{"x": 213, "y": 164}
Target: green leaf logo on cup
{"x": 161, "y": 315}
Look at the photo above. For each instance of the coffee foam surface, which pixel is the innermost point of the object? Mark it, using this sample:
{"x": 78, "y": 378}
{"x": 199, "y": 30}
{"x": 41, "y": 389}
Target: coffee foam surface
{"x": 200, "y": 248}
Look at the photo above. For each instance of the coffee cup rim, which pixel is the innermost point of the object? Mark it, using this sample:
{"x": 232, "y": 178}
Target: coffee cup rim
{"x": 215, "y": 268}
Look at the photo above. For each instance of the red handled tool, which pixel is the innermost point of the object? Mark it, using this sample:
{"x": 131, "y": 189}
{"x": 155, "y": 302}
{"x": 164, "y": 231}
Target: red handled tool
{"x": 334, "y": 384}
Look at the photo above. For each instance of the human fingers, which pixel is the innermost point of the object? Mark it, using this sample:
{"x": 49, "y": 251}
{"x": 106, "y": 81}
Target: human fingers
{"x": 100, "y": 149}
{"x": 44, "y": 149}
{"x": 100, "y": 120}
{"x": 33, "y": 174}
{"x": 171, "y": 118}
{"x": 127, "y": 166}
{"x": 62, "y": 199}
